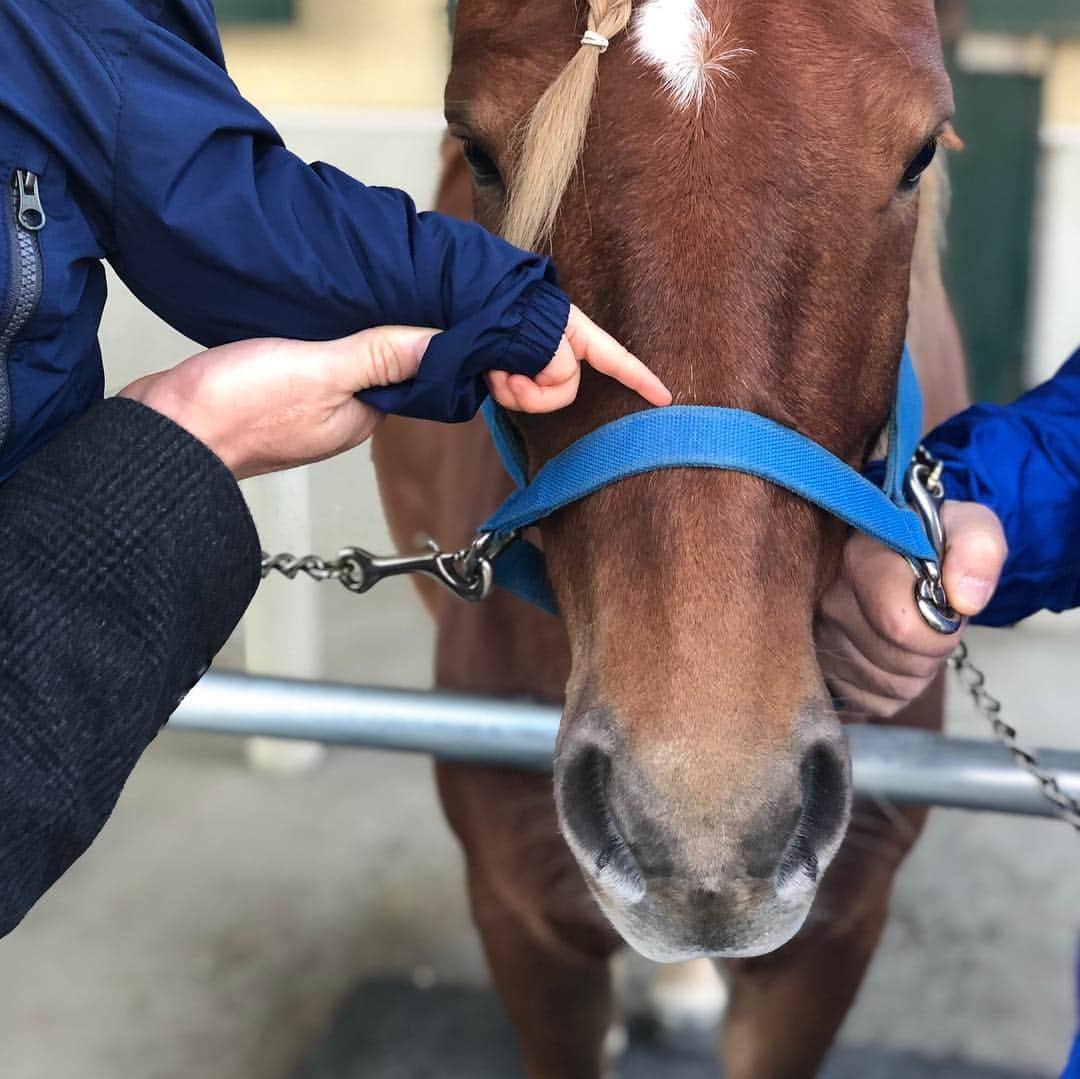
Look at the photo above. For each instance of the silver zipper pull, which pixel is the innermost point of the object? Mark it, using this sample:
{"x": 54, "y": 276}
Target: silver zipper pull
{"x": 31, "y": 213}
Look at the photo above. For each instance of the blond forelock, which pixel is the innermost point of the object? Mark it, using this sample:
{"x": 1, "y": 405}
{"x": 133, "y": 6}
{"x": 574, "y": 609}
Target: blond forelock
{"x": 553, "y": 139}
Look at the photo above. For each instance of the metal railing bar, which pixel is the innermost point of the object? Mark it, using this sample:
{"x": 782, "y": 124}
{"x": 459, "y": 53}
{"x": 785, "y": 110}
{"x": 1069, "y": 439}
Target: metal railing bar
{"x": 903, "y": 765}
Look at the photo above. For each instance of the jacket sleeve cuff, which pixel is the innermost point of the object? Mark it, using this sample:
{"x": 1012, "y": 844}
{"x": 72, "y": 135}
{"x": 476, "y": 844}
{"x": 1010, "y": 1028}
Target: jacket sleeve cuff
{"x": 544, "y": 312}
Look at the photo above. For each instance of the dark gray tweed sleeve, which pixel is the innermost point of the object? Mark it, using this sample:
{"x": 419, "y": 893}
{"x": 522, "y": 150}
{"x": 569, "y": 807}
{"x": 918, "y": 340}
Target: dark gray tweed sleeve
{"x": 128, "y": 558}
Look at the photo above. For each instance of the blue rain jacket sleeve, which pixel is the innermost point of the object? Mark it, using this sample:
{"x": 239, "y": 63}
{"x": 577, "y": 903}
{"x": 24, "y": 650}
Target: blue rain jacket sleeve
{"x": 226, "y": 234}
{"x": 1023, "y": 461}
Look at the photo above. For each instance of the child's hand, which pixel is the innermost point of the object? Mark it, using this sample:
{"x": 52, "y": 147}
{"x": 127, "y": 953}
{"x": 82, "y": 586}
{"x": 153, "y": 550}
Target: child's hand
{"x": 556, "y": 386}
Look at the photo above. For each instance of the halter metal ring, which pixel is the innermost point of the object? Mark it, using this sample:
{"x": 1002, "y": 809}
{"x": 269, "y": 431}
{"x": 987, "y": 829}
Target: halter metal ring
{"x": 932, "y": 602}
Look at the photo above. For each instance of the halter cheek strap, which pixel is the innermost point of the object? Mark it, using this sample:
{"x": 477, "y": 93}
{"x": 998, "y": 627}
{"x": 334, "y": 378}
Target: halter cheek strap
{"x": 695, "y": 436}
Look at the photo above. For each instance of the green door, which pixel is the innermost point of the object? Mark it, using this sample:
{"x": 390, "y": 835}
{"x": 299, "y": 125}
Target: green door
{"x": 254, "y": 10}
{"x": 1057, "y": 18}
{"x": 988, "y": 266}
{"x": 988, "y": 260}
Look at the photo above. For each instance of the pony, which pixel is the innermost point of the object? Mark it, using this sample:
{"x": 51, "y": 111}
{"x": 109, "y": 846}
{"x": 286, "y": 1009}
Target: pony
{"x": 745, "y": 194}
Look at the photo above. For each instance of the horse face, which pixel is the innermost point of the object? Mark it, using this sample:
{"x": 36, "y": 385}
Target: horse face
{"x": 743, "y": 218}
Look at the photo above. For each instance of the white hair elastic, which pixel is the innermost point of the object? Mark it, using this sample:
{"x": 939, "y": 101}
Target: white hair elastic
{"x": 598, "y": 41}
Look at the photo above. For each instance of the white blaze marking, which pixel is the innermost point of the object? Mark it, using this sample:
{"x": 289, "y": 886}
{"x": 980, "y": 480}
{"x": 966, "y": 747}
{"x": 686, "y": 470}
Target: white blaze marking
{"x": 676, "y": 36}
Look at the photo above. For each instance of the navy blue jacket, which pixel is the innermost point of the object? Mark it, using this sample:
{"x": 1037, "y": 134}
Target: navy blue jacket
{"x": 120, "y": 125}
{"x": 1023, "y": 461}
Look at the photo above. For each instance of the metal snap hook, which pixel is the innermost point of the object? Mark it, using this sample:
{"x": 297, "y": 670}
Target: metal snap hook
{"x": 468, "y": 573}
{"x": 926, "y": 493}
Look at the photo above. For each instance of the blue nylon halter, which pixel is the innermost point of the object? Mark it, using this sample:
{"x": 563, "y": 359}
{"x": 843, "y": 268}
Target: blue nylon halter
{"x": 698, "y": 436}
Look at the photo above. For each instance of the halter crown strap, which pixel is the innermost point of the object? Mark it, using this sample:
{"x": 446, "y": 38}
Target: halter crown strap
{"x": 696, "y": 436}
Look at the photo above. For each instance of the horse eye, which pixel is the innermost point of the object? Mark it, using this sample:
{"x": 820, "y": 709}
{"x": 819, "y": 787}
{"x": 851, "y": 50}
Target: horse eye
{"x": 485, "y": 171}
{"x": 918, "y": 166}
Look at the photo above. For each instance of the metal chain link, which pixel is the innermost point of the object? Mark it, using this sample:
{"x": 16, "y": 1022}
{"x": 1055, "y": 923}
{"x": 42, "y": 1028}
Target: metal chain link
{"x": 989, "y": 707}
{"x": 344, "y": 569}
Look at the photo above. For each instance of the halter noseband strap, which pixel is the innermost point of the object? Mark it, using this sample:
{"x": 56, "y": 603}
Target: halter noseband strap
{"x": 697, "y": 436}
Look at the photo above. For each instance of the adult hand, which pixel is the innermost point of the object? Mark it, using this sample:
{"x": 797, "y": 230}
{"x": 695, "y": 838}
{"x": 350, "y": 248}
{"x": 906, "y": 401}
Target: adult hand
{"x": 265, "y": 406}
{"x": 875, "y": 650}
{"x": 556, "y": 386}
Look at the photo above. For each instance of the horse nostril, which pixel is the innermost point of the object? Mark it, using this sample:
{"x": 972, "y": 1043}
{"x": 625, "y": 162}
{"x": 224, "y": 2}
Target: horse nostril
{"x": 582, "y": 789}
{"x": 825, "y": 791}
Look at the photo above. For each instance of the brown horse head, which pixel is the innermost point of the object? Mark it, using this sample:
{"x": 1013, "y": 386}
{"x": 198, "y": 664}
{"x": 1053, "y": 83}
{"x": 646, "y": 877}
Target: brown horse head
{"x": 732, "y": 188}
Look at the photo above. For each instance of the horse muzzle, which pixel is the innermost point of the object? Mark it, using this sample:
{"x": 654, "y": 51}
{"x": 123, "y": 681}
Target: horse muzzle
{"x": 697, "y": 852}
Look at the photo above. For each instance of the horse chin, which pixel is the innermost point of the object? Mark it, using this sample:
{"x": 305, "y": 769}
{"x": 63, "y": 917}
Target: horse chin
{"x": 660, "y": 935}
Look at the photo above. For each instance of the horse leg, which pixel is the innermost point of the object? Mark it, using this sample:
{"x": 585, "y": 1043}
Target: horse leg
{"x": 786, "y": 1008}
{"x": 546, "y": 943}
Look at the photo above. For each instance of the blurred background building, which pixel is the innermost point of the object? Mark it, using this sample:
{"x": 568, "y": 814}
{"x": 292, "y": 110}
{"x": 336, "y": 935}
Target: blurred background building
{"x": 225, "y": 914}
{"x": 1015, "y": 226}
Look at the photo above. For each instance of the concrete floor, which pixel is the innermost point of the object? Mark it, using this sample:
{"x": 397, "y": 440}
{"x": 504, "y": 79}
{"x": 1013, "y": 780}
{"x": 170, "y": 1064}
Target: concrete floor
{"x": 393, "y": 1030}
{"x": 224, "y": 916}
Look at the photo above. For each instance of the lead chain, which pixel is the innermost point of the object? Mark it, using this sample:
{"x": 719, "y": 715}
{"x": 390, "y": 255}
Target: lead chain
{"x": 345, "y": 569}
{"x": 989, "y": 707}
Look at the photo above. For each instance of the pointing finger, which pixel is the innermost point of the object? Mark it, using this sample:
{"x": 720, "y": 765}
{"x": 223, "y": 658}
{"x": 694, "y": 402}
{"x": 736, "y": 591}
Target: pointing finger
{"x": 603, "y": 353}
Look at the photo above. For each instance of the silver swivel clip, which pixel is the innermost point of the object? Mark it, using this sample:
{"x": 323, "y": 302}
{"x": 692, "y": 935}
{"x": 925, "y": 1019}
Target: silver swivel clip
{"x": 926, "y": 494}
{"x": 468, "y": 573}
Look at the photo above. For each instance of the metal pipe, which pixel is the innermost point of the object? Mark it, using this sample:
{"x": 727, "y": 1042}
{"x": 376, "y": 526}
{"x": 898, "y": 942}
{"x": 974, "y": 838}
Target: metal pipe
{"x": 482, "y": 730}
{"x": 902, "y": 765}
{"x": 914, "y": 767}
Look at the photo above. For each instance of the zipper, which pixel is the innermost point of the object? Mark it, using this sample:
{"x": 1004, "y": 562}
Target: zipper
{"x": 26, "y": 220}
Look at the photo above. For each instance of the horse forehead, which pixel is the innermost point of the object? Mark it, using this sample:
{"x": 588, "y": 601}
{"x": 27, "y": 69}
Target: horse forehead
{"x": 696, "y": 44}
